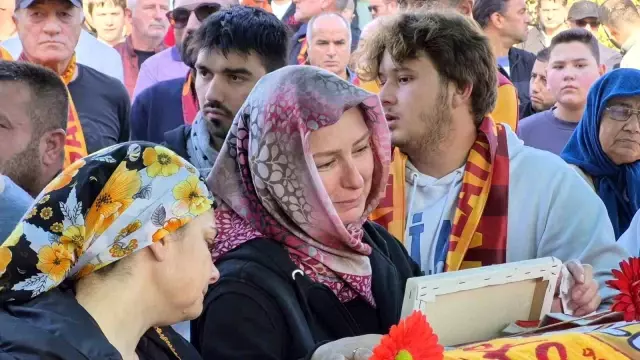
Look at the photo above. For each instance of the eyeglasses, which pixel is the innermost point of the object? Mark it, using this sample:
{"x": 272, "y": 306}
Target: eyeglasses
{"x": 621, "y": 113}
{"x": 594, "y": 24}
{"x": 179, "y": 17}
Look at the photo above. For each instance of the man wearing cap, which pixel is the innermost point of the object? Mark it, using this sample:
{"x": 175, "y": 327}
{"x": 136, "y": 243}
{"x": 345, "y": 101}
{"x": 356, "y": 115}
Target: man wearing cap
{"x": 584, "y": 14}
{"x": 99, "y": 105}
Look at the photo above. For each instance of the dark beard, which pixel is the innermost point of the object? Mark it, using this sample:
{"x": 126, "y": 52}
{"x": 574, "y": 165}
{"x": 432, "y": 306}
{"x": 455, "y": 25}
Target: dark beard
{"x": 24, "y": 169}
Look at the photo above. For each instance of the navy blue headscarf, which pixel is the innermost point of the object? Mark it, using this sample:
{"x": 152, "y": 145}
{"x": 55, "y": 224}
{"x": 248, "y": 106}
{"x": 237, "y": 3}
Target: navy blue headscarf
{"x": 585, "y": 151}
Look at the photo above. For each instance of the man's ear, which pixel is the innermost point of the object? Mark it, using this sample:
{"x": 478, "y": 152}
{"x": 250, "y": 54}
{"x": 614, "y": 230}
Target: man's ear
{"x": 461, "y": 96}
{"x": 52, "y": 148}
{"x": 128, "y": 14}
{"x": 602, "y": 69}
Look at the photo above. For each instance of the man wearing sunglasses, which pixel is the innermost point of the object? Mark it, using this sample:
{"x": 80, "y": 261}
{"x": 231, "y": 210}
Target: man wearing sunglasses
{"x": 148, "y": 28}
{"x": 382, "y": 7}
{"x": 185, "y": 18}
{"x": 584, "y": 14}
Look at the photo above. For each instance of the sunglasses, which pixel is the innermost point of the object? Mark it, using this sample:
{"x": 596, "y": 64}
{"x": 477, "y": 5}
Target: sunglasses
{"x": 373, "y": 8}
{"x": 585, "y": 23}
{"x": 179, "y": 17}
{"x": 621, "y": 113}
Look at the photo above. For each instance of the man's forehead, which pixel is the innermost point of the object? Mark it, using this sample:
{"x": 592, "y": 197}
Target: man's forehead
{"x": 329, "y": 24}
{"x": 215, "y": 60}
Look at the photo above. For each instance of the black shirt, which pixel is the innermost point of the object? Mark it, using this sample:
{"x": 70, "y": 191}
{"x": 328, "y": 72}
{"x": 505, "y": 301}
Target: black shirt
{"x": 143, "y": 56}
{"x": 103, "y": 105}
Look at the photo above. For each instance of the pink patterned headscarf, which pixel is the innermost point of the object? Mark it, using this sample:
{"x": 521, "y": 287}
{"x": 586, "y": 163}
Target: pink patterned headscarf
{"x": 268, "y": 185}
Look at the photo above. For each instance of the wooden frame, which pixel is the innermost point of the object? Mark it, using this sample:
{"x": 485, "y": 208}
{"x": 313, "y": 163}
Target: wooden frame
{"x": 477, "y": 304}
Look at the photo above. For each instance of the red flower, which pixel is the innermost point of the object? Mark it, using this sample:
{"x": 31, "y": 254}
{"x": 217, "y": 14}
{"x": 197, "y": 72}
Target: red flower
{"x": 411, "y": 339}
{"x": 627, "y": 282}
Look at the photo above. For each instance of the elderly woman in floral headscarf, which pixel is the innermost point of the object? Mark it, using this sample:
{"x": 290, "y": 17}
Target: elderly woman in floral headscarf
{"x": 605, "y": 147}
{"x": 304, "y": 164}
{"x": 113, "y": 249}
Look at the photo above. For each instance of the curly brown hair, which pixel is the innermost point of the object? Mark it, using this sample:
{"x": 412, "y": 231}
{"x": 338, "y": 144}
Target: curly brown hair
{"x": 454, "y": 43}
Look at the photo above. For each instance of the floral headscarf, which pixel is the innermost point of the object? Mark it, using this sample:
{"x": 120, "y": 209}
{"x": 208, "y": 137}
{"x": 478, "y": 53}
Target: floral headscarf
{"x": 269, "y": 186}
{"x": 98, "y": 210}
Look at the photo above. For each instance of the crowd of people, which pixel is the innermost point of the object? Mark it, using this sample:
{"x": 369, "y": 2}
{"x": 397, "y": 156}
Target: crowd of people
{"x": 215, "y": 180}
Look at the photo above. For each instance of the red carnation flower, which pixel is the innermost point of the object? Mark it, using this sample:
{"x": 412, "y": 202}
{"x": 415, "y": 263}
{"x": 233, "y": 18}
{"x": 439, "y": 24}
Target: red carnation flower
{"x": 627, "y": 282}
{"x": 411, "y": 339}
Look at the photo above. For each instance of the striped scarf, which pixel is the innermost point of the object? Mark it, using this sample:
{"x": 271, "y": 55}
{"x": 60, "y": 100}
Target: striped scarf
{"x": 479, "y": 233}
{"x": 302, "y": 55}
{"x": 75, "y": 146}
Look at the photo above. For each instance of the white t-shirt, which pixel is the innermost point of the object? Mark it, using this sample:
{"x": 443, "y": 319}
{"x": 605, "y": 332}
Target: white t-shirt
{"x": 280, "y": 10}
{"x": 89, "y": 51}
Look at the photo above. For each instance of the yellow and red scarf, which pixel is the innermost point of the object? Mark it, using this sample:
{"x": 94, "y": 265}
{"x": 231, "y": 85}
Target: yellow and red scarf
{"x": 302, "y": 55}
{"x": 190, "y": 105}
{"x": 75, "y": 146}
{"x": 479, "y": 232}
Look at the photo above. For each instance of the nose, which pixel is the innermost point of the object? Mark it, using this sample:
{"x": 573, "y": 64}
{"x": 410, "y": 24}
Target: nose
{"x": 351, "y": 177}
{"x": 387, "y": 95}
{"x": 215, "y": 275}
{"x": 332, "y": 50}
{"x": 52, "y": 26}
{"x": 214, "y": 90}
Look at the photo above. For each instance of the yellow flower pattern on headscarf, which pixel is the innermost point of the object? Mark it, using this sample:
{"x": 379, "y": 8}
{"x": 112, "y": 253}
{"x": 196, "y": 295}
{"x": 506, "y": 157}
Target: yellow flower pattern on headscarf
{"x": 191, "y": 196}
{"x": 115, "y": 198}
{"x": 161, "y": 161}
{"x": 100, "y": 209}
{"x": 55, "y": 261}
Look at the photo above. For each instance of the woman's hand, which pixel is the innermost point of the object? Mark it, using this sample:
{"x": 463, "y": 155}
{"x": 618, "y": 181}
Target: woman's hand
{"x": 353, "y": 348}
{"x": 584, "y": 293}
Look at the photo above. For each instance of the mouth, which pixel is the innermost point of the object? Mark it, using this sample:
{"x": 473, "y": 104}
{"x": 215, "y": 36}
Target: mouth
{"x": 350, "y": 203}
{"x": 214, "y": 114}
{"x": 569, "y": 88}
{"x": 391, "y": 119}
{"x": 536, "y": 99}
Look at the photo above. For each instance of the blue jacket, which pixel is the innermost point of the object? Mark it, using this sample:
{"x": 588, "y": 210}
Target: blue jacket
{"x": 156, "y": 110}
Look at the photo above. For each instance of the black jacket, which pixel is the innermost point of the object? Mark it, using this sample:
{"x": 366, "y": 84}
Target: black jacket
{"x": 53, "y": 326}
{"x": 520, "y": 68}
{"x": 257, "y": 310}
{"x": 176, "y": 140}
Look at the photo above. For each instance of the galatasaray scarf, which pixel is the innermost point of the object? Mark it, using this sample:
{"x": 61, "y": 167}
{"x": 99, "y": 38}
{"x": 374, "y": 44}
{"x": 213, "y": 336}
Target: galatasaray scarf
{"x": 75, "y": 146}
{"x": 190, "y": 105}
{"x": 479, "y": 233}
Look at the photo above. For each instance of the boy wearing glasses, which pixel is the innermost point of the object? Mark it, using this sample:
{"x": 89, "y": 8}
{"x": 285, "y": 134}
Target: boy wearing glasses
{"x": 574, "y": 65}
{"x": 584, "y": 15}
{"x": 108, "y": 18}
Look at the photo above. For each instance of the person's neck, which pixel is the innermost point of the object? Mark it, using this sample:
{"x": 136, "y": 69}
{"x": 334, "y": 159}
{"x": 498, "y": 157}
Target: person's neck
{"x": 568, "y": 115}
{"x": 452, "y": 153}
{"x": 499, "y": 46}
{"x": 143, "y": 43}
{"x": 119, "y": 313}
{"x": 282, "y": 2}
{"x": 60, "y": 67}
{"x": 344, "y": 74}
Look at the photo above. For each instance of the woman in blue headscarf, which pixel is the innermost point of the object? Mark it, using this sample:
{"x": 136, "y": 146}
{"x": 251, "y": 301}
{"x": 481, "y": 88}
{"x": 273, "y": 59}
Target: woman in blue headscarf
{"x": 605, "y": 146}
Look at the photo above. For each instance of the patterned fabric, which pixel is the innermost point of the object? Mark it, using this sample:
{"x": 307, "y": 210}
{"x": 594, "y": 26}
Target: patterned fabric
{"x": 267, "y": 181}
{"x": 618, "y": 341}
{"x": 201, "y": 154}
{"x": 618, "y": 185}
{"x": 479, "y": 233}
{"x": 75, "y": 146}
{"x": 98, "y": 210}
{"x": 190, "y": 106}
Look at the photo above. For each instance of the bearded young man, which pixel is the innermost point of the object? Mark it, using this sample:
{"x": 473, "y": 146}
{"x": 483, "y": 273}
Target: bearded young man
{"x": 99, "y": 105}
{"x": 463, "y": 191}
